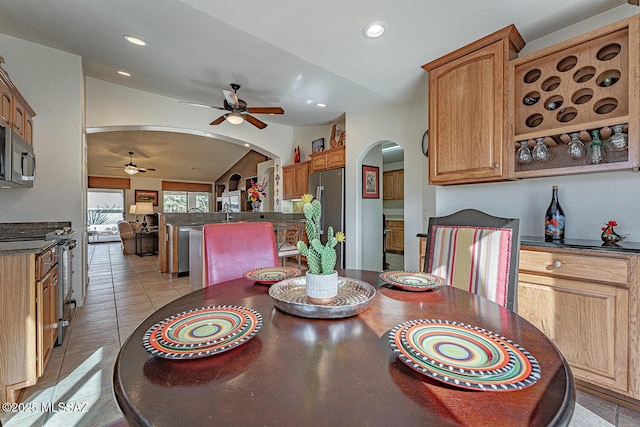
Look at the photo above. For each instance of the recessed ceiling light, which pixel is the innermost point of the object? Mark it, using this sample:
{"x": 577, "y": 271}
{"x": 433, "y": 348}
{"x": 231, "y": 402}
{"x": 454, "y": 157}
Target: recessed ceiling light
{"x": 124, "y": 73}
{"x": 135, "y": 40}
{"x": 320, "y": 104}
{"x": 374, "y": 30}
{"x": 247, "y": 145}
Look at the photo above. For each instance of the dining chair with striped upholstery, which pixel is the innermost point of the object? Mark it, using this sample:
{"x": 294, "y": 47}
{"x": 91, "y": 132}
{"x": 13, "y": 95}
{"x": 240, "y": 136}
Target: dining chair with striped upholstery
{"x": 476, "y": 252}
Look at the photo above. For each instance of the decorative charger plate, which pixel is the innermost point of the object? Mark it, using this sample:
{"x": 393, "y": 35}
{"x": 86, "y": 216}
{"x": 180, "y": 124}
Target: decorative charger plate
{"x": 455, "y": 348}
{"x": 269, "y": 275}
{"x": 354, "y": 296}
{"x": 465, "y": 352}
{"x": 412, "y": 281}
{"x": 202, "y": 332}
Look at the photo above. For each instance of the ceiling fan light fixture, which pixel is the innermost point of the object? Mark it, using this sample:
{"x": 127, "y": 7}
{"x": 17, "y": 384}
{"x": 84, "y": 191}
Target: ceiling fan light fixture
{"x": 235, "y": 118}
{"x": 374, "y": 30}
{"x": 136, "y": 40}
{"x": 130, "y": 169}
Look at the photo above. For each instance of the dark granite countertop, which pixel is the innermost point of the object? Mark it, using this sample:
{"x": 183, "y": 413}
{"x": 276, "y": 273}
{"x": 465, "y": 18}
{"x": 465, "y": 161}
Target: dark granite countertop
{"x": 580, "y": 244}
{"x": 23, "y": 247}
{"x": 195, "y": 219}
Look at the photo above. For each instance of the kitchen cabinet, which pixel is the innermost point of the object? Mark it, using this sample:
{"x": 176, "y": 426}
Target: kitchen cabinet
{"x": 587, "y": 83}
{"x": 468, "y": 103}
{"x": 46, "y": 317}
{"x": 395, "y": 236}
{"x": 332, "y": 158}
{"x": 28, "y": 296}
{"x": 393, "y": 185}
{"x": 586, "y": 302}
{"x": 295, "y": 180}
{"x": 15, "y": 111}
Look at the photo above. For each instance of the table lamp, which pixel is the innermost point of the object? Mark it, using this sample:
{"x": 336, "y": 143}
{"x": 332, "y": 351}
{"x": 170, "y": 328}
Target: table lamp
{"x": 132, "y": 211}
{"x": 144, "y": 208}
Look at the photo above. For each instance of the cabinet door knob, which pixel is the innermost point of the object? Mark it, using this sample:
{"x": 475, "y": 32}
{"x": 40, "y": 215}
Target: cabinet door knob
{"x": 557, "y": 264}
{"x": 496, "y": 165}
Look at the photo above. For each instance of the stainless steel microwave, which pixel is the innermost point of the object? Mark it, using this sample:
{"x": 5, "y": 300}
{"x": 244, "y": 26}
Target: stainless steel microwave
{"x": 17, "y": 160}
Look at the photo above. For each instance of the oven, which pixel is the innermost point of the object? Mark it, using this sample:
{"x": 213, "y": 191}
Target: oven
{"x": 66, "y": 302}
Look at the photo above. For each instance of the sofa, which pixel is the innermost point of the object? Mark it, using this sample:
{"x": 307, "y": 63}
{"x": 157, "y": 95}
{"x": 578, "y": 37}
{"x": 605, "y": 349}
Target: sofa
{"x": 127, "y": 238}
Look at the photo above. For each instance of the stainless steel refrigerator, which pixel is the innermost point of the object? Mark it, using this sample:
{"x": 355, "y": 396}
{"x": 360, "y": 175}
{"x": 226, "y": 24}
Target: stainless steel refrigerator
{"x": 328, "y": 187}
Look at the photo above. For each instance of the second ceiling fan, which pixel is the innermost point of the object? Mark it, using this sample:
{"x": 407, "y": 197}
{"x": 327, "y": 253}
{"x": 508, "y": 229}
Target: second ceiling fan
{"x": 238, "y": 111}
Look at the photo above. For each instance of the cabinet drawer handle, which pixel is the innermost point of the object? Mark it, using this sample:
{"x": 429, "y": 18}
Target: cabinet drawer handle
{"x": 557, "y": 264}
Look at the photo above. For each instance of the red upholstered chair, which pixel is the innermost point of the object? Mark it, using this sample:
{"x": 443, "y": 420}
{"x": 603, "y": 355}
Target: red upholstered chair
{"x": 230, "y": 249}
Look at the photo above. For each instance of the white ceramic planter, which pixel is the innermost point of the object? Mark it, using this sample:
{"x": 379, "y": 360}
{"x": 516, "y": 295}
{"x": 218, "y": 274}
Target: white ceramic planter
{"x": 322, "y": 288}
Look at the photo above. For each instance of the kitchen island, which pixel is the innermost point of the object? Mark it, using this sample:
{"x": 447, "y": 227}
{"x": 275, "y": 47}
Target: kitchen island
{"x": 173, "y": 233}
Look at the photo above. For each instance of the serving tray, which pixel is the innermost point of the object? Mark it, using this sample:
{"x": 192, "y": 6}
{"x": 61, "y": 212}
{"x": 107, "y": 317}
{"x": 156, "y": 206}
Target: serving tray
{"x": 354, "y": 296}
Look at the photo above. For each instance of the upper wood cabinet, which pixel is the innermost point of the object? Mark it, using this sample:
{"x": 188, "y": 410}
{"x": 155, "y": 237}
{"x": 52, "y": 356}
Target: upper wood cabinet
{"x": 15, "y": 112}
{"x": 393, "y": 185}
{"x": 332, "y": 158}
{"x": 468, "y": 104}
{"x": 586, "y": 83}
{"x": 295, "y": 180}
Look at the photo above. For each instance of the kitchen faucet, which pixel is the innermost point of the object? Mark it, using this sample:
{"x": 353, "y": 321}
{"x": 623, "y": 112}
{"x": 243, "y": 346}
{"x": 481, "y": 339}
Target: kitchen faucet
{"x": 225, "y": 209}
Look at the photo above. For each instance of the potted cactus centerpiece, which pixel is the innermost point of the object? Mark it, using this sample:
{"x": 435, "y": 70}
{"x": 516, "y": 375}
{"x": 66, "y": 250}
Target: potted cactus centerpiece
{"x": 321, "y": 278}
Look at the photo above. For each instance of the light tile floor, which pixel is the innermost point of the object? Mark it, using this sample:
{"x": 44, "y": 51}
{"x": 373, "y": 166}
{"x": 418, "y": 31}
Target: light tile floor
{"x": 123, "y": 290}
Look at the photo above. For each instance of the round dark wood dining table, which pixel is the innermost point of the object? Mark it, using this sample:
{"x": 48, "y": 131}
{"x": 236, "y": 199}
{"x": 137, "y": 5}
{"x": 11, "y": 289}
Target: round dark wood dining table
{"x": 315, "y": 372}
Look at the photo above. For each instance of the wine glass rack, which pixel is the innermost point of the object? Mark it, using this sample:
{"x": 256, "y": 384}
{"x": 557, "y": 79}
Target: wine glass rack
{"x": 585, "y": 83}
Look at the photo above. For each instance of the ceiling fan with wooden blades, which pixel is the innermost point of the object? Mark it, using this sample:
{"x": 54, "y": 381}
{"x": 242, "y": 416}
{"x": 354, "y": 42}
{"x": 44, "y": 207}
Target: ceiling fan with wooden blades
{"x": 238, "y": 111}
{"x": 130, "y": 167}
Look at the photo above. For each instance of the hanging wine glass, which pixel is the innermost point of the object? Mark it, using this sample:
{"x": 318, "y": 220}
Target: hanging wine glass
{"x": 524, "y": 155}
{"x": 541, "y": 152}
{"x": 576, "y": 149}
{"x": 596, "y": 153}
{"x": 619, "y": 140}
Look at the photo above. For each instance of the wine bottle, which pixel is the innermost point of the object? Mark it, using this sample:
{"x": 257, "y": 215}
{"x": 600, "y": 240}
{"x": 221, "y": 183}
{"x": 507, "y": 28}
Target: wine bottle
{"x": 554, "y": 220}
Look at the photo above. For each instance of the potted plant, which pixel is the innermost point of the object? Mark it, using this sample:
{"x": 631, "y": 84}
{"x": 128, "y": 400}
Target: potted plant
{"x": 321, "y": 278}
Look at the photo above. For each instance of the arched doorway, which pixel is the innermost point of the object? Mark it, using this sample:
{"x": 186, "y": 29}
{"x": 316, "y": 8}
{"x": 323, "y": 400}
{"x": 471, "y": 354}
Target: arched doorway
{"x": 383, "y": 155}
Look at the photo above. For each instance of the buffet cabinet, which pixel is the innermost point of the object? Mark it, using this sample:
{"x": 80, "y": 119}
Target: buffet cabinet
{"x": 468, "y": 125}
{"x": 15, "y": 112}
{"x": 295, "y": 180}
{"x": 586, "y": 302}
{"x": 29, "y": 300}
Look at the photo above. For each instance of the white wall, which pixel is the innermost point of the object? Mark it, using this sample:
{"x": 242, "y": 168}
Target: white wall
{"x": 371, "y": 218}
{"x": 404, "y": 125}
{"x": 588, "y": 200}
{"x": 52, "y": 83}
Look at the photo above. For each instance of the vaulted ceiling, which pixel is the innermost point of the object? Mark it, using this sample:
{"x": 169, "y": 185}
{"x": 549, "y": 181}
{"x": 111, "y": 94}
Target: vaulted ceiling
{"x": 288, "y": 53}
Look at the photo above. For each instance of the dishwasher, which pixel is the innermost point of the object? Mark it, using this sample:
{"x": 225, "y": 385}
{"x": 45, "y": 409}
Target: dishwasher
{"x": 183, "y": 250}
